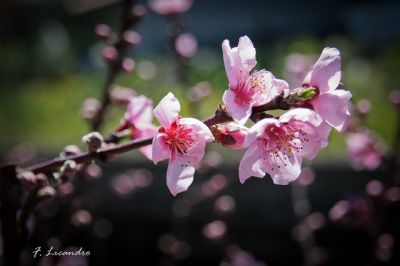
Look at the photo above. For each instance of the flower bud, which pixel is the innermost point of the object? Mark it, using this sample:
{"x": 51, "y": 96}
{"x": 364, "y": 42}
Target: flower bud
{"x": 394, "y": 98}
{"x": 70, "y": 150}
{"x": 363, "y": 106}
{"x": 103, "y": 31}
{"x": 231, "y": 135}
{"x": 138, "y": 12}
{"x": 90, "y": 108}
{"x": 27, "y": 178}
{"x": 128, "y": 65}
{"x": 131, "y": 38}
{"x": 68, "y": 169}
{"x": 93, "y": 140}
{"x": 46, "y": 192}
{"x": 110, "y": 54}
{"x": 305, "y": 94}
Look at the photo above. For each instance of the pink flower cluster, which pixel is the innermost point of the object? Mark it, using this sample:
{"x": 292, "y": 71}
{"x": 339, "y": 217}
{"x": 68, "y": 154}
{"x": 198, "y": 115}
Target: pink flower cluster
{"x": 277, "y": 145}
{"x": 274, "y": 145}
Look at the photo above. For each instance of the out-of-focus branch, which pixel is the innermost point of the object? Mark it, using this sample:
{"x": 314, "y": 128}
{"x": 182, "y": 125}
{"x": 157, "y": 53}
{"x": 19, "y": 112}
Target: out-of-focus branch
{"x": 130, "y": 18}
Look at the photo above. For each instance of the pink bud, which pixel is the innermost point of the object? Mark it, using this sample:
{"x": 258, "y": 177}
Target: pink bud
{"x": 110, "y": 54}
{"x": 89, "y": 108}
{"x": 394, "y": 98}
{"x": 231, "y": 135}
{"x": 131, "y": 38}
{"x": 103, "y": 31}
{"x": 128, "y": 65}
{"x": 170, "y": 7}
{"x": 46, "y": 192}
{"x": 70, "y": 150}
{"x": 363, "y": 106}
{"x": 186, "y": 45}
{"x": 138, "y": 11}
{"x": 93, "y": 140}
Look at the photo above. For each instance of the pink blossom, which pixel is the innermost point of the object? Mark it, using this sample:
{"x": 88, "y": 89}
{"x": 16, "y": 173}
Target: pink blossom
{"x": 138, "y": 118}
{"x": 365, "y": 151}
{"x": 296, "y": 68}
{"x": 330, "y": 103}
{"x": 231, "y": 134}
{"x": 181, "y": 140}
{"x": 277, "y": 146}
{"x": 246, "y": 88}
{"x": 170, "y": 7}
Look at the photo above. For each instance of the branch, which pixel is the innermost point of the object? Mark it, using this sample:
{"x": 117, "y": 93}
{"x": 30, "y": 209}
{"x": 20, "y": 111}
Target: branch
{"x": 114, "y": 68}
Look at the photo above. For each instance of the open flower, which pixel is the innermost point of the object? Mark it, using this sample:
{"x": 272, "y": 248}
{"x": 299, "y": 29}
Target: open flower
{"x": 246, "y": 88}
{"x": 320, "y": 86}
{"x": 277, "y": 146}
{"x": 138, "y": 118}
{"x": 181, "y": 140}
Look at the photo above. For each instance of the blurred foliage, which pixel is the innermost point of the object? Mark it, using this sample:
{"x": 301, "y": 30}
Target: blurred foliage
{"x": 45, "y": 108}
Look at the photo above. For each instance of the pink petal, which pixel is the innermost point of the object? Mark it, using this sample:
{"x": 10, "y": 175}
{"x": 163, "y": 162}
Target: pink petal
{"x": 326, "y": 73}
{"x": 167, "y": 110}
{"x": 238, "y": 61}
{"x": 258, "y": 129}
{"x": 247, "y": 53}
{"x": 179, "y": 174}
{"x": 160, "y": 150}
{"x": 283, "y": 172}
{"x": 333, "y": 107}
{"x": 139, "y": 111}
{"x": 303, "y": 115}
{"x": 239, "y": 113}
{"x": 252, "y": 163}
{"x": 196, "y": 151}
{"x": 147, "y": 131}
{"x": 199, "y": 127}
{"x": 270, "y": 86}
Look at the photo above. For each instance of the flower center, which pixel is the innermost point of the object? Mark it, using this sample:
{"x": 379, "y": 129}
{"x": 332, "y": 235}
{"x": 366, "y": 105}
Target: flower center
{"x": 179, "y": 137}
{"x": 280, "y": 143}
{"x": 248, "y": 87}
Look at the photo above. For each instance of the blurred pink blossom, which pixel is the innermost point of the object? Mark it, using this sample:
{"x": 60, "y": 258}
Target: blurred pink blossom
{"x": 170, "y": 7}
{"x": 247, "y": 89}
{"x": 138, "y": 118}
{"x": 186, "y": 45}
{"x": 277, "y": 146}
{"x": 365, "y": 150}
{"x": 296, "y": 68}
{"x": 181, "y": 140}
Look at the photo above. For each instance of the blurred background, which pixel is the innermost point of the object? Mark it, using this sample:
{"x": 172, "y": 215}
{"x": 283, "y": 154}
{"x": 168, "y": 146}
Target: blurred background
{"x": 338, "y": 213}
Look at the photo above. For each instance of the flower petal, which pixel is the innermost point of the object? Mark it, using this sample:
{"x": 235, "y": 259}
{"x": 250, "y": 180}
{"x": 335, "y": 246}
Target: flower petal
{"x": 167, "y": 110}
{"x": 179, "y": 174}
{"x": 258, "y": 129}
{"x": 303, "y": 115}
{"x": 238, "y": 61}
{"x": 283, "y": 171}
{"x": 251, "y": 163}
{"x": 239, "y": 112}
{"x": 146, "y": 131}
{"x": 160, "y": 150}
{"x": 199, "y": 127}
{"x": 333, "y": 107}
{"x": 247, "y": 53}
{"x": 326, "y": 73}
{"x": 269, "y": 87}
{"x": 139, "y": 111}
